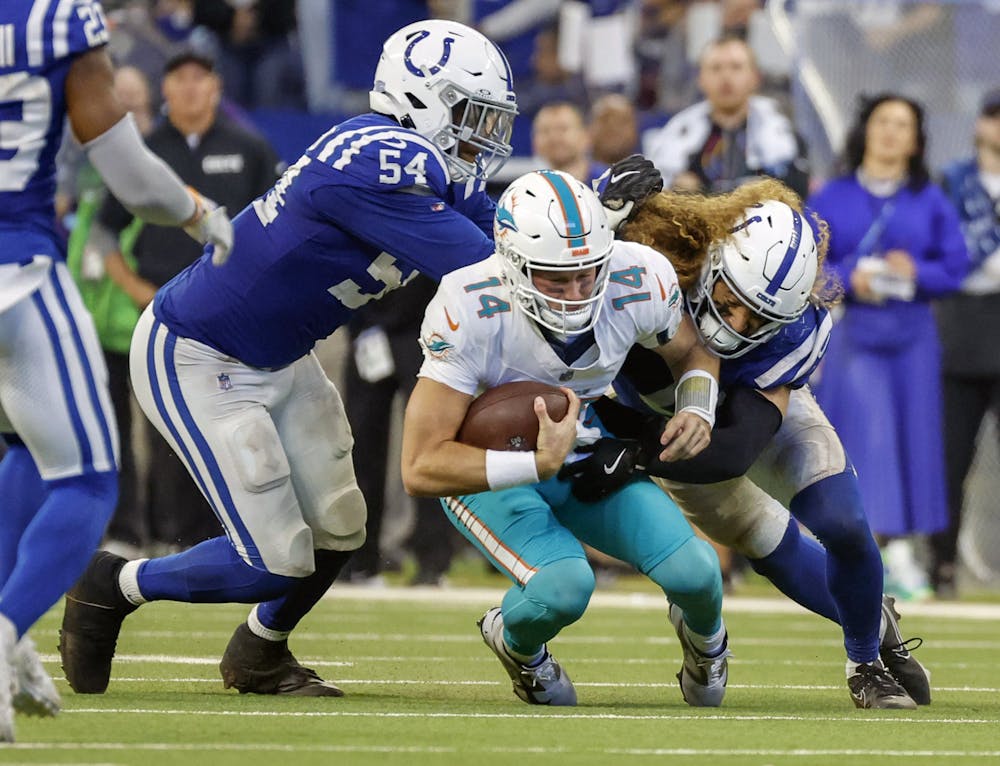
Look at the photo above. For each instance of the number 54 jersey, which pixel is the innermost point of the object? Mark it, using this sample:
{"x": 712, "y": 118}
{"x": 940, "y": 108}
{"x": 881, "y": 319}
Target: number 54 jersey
{"x": 38, "y": 41}
{"x": 474, "y": 338}
{"x": 366, "y": 207}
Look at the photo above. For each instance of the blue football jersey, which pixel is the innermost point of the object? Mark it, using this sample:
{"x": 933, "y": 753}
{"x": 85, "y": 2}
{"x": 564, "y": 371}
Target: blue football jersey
{"x": 787, "y": 359}
{"x": 362, "y": 211}
{"x": 38, "y": 41}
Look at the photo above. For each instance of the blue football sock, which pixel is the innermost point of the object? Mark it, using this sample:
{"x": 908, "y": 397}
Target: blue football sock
{"x": 23, "y": 493}
{"x": 831, "y": 508}
{"x": 797, "y": 567}
{"x": 56, "y": 544}
{"x": 284, "y": 613}
{"x": 210, "y": 572}
{"x": 555, "y": 597}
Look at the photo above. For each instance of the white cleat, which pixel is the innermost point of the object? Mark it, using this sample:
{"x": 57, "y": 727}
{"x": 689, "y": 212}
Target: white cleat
{"x": 543, "y": 684}
{"x": 703, "y": 679}
{"x": 8, "y": 679}
{"x": 37, "y": 693}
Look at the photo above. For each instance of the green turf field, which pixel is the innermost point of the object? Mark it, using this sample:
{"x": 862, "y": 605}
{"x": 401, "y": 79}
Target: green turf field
{"x": 423, "y": 689}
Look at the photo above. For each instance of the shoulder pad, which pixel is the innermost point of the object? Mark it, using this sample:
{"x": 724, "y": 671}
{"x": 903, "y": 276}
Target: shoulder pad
{"x": 380, "y": 155}
{"x": 787, "y": 359}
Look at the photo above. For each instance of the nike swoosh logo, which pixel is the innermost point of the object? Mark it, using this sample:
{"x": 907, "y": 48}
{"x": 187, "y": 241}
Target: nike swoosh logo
{"x": 397, "y": 143}
{"x": 610, "y": 469}
{"x": 451, "y": 324}
{"x": 615, "y": 178}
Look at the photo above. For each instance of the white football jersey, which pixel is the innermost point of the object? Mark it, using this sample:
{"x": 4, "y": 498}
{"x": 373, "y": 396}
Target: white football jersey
{"x": 474, "y": 337}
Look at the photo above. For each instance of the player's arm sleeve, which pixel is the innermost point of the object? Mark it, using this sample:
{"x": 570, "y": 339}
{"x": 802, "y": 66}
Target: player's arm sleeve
{"x": 140, "y": 179}
{"x": 113, "y": 216}
{"x": 744, "y": 425}
{"x": 419, "y": 230}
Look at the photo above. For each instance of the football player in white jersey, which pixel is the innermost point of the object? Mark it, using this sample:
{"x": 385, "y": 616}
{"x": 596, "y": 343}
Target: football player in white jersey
{"x": 759, "y": 297}
{"x": 58, "y": 480}
{"x": 561, "y": 302}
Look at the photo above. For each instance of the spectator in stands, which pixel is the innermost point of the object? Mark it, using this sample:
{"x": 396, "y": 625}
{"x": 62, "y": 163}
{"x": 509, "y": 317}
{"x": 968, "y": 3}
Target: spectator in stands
{"x": 614, "y": 129}
{"x": 257, "y": 50}
{"x": 559, "y": 141}
{"x": 233, "y": 167}
{"x": 382, "y": 365}
{"x": 733, "y": 134}
{"x": 969, "y": 322}
{"x": 896, "y": 245}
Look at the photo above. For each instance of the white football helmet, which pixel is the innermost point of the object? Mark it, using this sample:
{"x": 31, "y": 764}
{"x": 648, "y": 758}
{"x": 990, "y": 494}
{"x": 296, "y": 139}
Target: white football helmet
{"x": 549, "y": 221}
{"x": 452, "y": 85}
{"x": 770, "y": 264}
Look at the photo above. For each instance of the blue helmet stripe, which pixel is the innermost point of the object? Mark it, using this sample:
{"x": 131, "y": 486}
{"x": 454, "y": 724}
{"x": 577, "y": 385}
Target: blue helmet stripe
{"x": 789, "y": 259}
{"x": 508, "y": 75}
{"x": 571, "y": 210}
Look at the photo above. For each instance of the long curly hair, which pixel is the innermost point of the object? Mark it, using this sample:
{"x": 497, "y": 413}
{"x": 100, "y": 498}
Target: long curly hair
{"x": 684, "y": 227}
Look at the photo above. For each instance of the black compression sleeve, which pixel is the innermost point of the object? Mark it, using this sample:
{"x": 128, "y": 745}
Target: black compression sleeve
{"x": 744, "y": 425}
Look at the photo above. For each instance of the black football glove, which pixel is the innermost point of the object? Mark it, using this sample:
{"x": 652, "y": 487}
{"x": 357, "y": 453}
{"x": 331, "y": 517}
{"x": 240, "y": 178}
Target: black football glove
{"x": 629, "y": 183}
{"x": 609, "y": 467}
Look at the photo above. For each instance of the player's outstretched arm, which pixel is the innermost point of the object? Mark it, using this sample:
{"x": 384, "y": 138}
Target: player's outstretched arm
{"x": 696, "y": 371}
{"x": 137, "y": 177}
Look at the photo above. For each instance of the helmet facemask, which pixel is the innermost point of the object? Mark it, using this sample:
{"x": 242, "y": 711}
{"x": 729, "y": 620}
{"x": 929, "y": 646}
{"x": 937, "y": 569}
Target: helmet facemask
{"x": 484, "y": 125}
{"x": 563, "y": 317}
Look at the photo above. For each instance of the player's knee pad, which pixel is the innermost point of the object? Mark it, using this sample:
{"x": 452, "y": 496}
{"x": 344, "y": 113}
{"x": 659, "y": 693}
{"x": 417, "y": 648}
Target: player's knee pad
{"x": 563, "y": 588}
{"x": 832, "y": 510}
{"x": 341, "y": 522}
{"x": 256, "y": 449}
{"x": 691, "y": 570}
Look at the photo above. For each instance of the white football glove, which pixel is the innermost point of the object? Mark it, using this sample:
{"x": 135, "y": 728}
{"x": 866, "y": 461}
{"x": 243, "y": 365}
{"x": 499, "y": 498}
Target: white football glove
{"x": 211, "y": 226}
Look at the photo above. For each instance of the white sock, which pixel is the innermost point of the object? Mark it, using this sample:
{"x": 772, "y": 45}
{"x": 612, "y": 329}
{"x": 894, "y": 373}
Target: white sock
{"x": 260, "y": 630}
{"x": 128, "y": 582}
{"x": 528, "y": 660}
{"x": 710, "y": 646}
{"x": 852, "y": 666}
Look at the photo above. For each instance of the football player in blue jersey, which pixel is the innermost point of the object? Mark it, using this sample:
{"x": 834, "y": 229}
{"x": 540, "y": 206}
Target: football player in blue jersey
{"x": 759, "y": 296}
{"x": 58, "y": 479}
{"x": 222, "y": 361}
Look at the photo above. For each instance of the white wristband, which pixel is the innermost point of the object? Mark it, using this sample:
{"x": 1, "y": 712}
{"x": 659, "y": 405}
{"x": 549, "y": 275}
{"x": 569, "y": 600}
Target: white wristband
{"x": 510, "y": 469}
{"x": 697, "y": 391}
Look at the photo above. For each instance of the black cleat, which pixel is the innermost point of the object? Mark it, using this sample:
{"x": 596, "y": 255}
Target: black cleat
{"x": 895, "y": 654}
{"x": 254, "y": 665}
{"x": 95, "y": 609}
{"x": 872, "y": 686}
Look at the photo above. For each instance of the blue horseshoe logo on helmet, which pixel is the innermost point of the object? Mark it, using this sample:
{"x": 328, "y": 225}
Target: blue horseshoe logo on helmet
{"x": 412, "y": 68}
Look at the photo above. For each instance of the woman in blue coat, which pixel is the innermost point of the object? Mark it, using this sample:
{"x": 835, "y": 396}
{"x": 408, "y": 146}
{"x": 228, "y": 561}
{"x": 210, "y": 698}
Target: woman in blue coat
{"x": 896, "y": 245}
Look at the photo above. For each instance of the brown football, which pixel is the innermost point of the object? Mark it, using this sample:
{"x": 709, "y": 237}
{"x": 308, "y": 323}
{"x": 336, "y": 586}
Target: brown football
{"x": 503, "y": 418}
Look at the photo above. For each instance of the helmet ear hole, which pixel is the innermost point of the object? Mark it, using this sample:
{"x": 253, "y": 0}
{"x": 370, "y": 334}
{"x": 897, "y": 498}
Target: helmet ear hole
{"x": 415, "y": 102}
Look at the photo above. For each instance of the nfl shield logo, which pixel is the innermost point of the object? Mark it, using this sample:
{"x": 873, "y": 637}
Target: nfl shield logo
{"x": 224, "y": 382}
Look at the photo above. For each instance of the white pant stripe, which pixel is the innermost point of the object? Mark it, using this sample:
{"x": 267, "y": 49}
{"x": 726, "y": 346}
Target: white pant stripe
{"x": 503, "y": 555}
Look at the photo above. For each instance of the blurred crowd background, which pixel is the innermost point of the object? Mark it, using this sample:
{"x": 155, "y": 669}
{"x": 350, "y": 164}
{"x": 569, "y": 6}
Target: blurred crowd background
{"x": 714, "y": 92}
